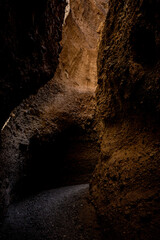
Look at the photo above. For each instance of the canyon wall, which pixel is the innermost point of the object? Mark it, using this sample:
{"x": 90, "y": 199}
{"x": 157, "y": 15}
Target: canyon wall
{"x": 30, "y": 32}
{"x": 78, "y": 59}
{"x": 125, "y": 187}
{"x": 50, "y": 139}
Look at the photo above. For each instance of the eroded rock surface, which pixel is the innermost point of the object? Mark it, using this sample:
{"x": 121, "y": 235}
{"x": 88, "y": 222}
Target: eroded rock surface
{"x": 125, "y": 186}
{"x": 78, "y": 59}
{"x": 30, "y": 32}
{"x": 50, "y": 139}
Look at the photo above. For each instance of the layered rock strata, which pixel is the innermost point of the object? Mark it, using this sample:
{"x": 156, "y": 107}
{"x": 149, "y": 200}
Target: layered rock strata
{"x": 125, "y": 186}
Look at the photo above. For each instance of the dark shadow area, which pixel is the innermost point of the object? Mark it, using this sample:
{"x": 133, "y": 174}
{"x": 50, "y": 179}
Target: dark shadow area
{"x": 144, "y": 46}
{"x": 55, "y": 161}
{"x": 30, "y": 32}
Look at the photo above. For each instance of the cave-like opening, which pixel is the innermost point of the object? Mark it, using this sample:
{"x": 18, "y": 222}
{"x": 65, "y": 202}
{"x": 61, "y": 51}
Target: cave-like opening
{"x": 68, "y": 158}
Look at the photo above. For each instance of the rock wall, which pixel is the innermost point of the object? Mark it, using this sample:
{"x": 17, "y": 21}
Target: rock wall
{"x": 125, "y": 187}
{"x": 30, "y": 32}
{"x": 50, "y": 138}
{"x": 48, "y": 142}
{"x": 78, "y": 59}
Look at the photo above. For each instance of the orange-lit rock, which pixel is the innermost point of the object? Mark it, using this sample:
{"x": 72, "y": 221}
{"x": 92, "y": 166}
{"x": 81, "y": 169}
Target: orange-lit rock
{"x": 78, "y": 59}
{"x": 125, "y": 186}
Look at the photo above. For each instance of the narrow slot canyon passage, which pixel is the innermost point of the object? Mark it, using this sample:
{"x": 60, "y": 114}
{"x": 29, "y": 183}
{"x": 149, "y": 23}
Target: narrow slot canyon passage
{"x": 51, "y": 141}
{"x": 79, "y": 120}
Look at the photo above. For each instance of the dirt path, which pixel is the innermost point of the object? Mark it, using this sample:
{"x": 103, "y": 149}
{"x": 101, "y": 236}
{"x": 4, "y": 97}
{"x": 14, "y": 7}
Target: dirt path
{"x": 57, "y": 214}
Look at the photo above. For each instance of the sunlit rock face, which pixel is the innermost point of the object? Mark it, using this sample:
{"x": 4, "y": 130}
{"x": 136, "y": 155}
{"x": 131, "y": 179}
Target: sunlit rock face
{"x": 78, "y": 59}
{"x": 125, "y": 186}
{"x": 50, "y": 139}
{"x": 67, "y": 10}
{"x": 30, "y": 32}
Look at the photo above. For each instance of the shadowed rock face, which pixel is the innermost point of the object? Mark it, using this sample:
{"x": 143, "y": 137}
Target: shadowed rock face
{"x": 128, "y": 62}
{"x": 30, "y": 32}
{"x": 50, "y": 138}
{"x": 125, "y": 186}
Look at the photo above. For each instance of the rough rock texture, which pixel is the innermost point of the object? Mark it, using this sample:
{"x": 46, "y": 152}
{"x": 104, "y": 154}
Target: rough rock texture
{"x": 125, "y": 186}
{"x": 47, "y": 144}
{"x": 78, "y": 59}
{"x": 30, "y": 32}
{"x": 49, "y": 139}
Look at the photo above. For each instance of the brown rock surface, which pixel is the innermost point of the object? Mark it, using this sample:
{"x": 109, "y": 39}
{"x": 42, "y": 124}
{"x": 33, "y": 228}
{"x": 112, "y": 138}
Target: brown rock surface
{"x": 49, "y": 139}
{"x": 30, "y": 32}
{"x": 125, "y": 186}
{"x": 78, "y": 59}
